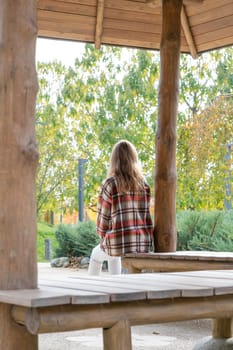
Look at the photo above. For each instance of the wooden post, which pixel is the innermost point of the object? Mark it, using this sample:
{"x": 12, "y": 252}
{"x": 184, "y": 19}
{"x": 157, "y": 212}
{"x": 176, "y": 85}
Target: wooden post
{"x": 118, "y": 337}
{"x": 18, "y": 159}
{"x": 165, "y": 174}
{"x": 222, "y": 328}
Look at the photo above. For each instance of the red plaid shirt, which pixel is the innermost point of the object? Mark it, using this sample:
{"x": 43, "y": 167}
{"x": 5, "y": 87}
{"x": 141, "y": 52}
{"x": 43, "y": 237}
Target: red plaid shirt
{"x": 124, "y": 222}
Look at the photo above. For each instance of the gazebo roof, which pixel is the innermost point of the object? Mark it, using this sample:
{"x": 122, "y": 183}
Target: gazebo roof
{"x": 206, "y": 24}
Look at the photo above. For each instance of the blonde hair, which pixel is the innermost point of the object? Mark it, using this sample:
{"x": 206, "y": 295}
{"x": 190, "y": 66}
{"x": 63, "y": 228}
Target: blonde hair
{"x": 125, "y": 167}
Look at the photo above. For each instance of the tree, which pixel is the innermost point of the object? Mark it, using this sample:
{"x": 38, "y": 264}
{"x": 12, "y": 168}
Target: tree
{"x": 111, "y": 94}
{"x": 56, "y": 166}
{"x": 107, "y": 99}
{"x": 204, "y": 130}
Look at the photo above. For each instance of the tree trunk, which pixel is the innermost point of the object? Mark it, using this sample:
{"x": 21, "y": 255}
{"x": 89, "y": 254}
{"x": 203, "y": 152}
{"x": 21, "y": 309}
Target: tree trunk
{"x": 165, "y": 174}
{"x": 18, "y": 159}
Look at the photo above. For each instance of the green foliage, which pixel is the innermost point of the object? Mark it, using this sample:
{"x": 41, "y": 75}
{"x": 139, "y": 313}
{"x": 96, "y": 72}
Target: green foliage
{"x": 45, "y": 231}
{"x": 204, "y": 130}
{"x": 76, "y": 240}
{"x": 57, "y": 168}
{"x": 112, "y": 94}
{"x": 199, "y": 230}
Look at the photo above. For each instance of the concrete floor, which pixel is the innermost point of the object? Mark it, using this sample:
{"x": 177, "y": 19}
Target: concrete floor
{"x": 169, "y": 336}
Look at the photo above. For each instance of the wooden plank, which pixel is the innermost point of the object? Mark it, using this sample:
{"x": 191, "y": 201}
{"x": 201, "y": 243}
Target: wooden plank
{"x": 220, "y": 285}
{"x": 116, "y": 293}
{"x": 213, "y": 25}
{"x": 152, "y": 290}
{"x": 158, "y": 287}
{"x": 80, "y": 2}
{"x": 222, "y": 274}
{"x": 185, "y": 289}
{"x": 211, "y": 14}
{"x": 127, "y": 38}
{"x": 48, "y": 32}
{"x": 133, "y": 16}
{"x": 66, "y": 7}
{"x": 129, "y": 6}
{"x": 86, "y": 23}
{"x": 130, "y": 38}
{"x": 34, "y": 297}
{"x": 217, "y": 44}
{"x": 132, "y": 26}
{"x": 79, "y": 296}
{"x": 205, "y": 6}
{"x": 219, "y": 35}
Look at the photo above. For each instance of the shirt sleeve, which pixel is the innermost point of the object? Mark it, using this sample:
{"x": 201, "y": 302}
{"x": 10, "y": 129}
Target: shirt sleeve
{"x": 104, "y": 210}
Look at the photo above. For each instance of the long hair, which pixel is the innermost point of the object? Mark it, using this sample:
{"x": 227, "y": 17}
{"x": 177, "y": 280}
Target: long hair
{"x": 125, "y": 167}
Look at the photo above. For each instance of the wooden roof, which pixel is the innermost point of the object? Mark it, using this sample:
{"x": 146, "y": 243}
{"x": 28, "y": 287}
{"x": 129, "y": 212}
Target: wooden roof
{"x": 206, "y": 24}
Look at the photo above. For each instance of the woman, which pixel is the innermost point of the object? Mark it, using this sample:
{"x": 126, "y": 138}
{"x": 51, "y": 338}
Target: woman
{"x": 123, "y": 223}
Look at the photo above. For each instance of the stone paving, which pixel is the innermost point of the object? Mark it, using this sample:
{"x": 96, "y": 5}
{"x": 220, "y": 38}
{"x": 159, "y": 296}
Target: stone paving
{"x": 169, "y": 336}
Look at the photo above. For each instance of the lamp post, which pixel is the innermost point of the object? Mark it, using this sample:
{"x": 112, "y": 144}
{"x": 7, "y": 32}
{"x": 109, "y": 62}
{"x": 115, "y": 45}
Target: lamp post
{"x": 228, "y": 179}
{"x": 81, "y": 163}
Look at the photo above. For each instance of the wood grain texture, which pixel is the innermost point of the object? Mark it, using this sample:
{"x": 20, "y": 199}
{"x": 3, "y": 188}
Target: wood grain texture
{"x": 222, "y": 328}
{"x": 165, "y": 170}
{"x": 18, "y": 150}
{"x": 18, "y": 159}
{"x": 72, "y": 317}
{"x": 118, "y": 337}
{"x": 202, "y": 17}
{"x": 178, "y": 261}
{"x": 88, "y": 290}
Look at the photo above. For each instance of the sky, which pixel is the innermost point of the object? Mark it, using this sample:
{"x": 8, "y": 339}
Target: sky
{"x": 48, "y": 50}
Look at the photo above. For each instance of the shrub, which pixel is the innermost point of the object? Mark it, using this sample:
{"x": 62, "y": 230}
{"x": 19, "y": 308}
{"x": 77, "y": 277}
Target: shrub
{"x": 76, "y": 240}
{"x": 87, "y": 238}
{"x": 66, "y": 239}
{"x": 205, "y": 230}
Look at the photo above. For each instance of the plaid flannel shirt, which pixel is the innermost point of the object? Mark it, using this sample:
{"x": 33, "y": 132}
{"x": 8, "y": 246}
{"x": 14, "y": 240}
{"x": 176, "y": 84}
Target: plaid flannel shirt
{"x": 123, "y": 222}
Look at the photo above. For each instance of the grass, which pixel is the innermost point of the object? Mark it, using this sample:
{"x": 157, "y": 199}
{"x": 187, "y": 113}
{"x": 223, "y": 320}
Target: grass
{"x": 45, "y": 231}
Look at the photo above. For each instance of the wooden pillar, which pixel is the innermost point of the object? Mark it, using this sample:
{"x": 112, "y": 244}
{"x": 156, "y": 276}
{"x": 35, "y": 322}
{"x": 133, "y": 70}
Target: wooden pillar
{"x": 118, "y": 337}
{"x": 222, "y": 328}
{"x": 18, "y": 159}
{"x": 221, "y": 336}
{"x": 165, "y": 173}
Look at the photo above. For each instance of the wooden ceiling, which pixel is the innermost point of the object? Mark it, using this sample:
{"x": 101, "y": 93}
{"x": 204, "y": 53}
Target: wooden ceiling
{"x": 206, "y": 24}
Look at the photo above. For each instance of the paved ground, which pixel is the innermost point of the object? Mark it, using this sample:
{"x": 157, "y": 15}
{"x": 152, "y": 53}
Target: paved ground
{"x": 169, "y": 336}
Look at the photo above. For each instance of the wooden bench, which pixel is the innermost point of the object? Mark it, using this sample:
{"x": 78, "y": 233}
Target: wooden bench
{"x": 115, "y": 303}
{"x": 178, "y": 261}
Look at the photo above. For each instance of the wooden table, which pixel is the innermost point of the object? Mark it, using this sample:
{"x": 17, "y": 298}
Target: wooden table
{"x": 115, "y": 303}
{"x": 178, "y": 261}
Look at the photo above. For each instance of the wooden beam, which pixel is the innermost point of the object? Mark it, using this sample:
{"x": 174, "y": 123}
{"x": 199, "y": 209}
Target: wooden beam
{"x": 73, "y": 317}
{"x": 188, "y": 32}
{"x": 99, "y": 23}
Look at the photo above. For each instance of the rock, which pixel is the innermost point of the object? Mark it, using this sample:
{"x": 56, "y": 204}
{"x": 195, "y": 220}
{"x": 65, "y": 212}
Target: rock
{"x": 84, "y": 261}
{"x": 60, "y": 262}
{"x": 210, "y": 343}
